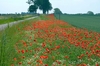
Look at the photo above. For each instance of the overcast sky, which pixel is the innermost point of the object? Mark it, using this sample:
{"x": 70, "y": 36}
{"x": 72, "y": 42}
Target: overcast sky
{"x": 66, "y": 6}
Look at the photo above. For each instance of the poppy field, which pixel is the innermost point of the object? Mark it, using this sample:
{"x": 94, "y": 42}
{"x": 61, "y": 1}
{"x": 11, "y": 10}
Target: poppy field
{"x": 52, "y": 42}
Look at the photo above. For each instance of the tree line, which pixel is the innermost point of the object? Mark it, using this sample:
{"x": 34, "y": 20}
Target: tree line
{"x": 90, "y": 13}
{"x": 43, "y": 5}
{"x": 46, "y": 6}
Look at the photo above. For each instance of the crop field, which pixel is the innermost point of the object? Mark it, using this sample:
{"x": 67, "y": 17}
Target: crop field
{"x": 91, "y": 23}
{"x": 12, "y": 18}
{"x": 46, "y": 41}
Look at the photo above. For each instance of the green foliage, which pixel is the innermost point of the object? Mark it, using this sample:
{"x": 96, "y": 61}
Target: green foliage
{"x": 29, "y": 2}
{"x": 98, "y": 14}
{"x": 57, "y": 11}
{"x": 90, "y": 13}
{"x": 43, "y": 5}
{"x": 33, "y": 8}
{"x": 43, "y": 17}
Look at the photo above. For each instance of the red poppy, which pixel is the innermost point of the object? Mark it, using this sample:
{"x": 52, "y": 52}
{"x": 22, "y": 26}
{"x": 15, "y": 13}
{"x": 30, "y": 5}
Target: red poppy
{"x": 15, "y": 59}
{"x": 40, "y": 61}
{"x": 57, "y": 47}
{"x": 20, "y": 63}
{"x": 23, "y": 51}
{"x": 43, "y": 57}
{"x": 43, "y": 44}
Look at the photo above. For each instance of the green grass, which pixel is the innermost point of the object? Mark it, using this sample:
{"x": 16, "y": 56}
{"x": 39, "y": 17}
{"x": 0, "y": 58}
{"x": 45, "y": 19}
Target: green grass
{"x": 18, "y": 38}
{"x": 43, "y": 17}
{"x": 83, "y": 21}
{"x": 8, "y": 38}
{"x": 9, "y": 19}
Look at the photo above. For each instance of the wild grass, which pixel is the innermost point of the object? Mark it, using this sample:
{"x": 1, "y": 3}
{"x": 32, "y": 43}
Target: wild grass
{"x": 8, "y": 39}
{"x": 48, "y": 42}
{"x": 8, "y": 19}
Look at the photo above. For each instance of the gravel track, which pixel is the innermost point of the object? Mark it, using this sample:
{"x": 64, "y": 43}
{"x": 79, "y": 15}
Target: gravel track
{"x": 3, "y": 26}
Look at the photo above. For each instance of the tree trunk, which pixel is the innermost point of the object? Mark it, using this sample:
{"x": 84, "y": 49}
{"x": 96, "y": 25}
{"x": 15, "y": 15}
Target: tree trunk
{"x": 35, "y": 11}
{"x": 47, "y": 12}
{"x": 44, "y": 11}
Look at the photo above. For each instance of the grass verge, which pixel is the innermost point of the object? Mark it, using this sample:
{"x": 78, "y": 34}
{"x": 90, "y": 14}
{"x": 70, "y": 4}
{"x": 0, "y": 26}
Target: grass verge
{"x": 8, "y": 39}
{"x": 14, "y": 18}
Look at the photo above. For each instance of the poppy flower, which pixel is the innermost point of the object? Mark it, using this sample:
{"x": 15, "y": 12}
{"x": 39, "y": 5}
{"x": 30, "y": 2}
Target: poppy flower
{"x": 23, "y": 51}
{"x": 43, "y": 57}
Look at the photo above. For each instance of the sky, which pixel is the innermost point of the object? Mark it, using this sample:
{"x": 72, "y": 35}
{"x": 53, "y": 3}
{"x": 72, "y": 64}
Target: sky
{"x": 66, "y": 6}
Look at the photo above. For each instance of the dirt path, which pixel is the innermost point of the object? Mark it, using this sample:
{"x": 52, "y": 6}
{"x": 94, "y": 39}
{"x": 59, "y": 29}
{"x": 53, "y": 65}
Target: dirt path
{"x": 3, "y": 26}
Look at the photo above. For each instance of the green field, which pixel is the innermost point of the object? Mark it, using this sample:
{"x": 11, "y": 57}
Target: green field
{"x": 8, "y": 18}
{"x": 82, "y": 21}
{"x": 46, "y": 41}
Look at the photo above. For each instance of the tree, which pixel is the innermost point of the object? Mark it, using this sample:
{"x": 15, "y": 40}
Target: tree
{"x": 90, "y": 13}
{"x": 97, "y": 14}
{"x": 43, "y": 5}
{"x": 29, "y": 2}
{"x": 32, "y": 9}
{"x": 49, "y": 8}
{"x": 57, "y": 11}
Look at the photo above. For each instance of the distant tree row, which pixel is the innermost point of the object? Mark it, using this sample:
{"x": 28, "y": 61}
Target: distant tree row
{"x": 58, "y": 11}
{"x": 16, "y": 14}
{"x": 88, "y": 13}
{"x": 43, "y": 5}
